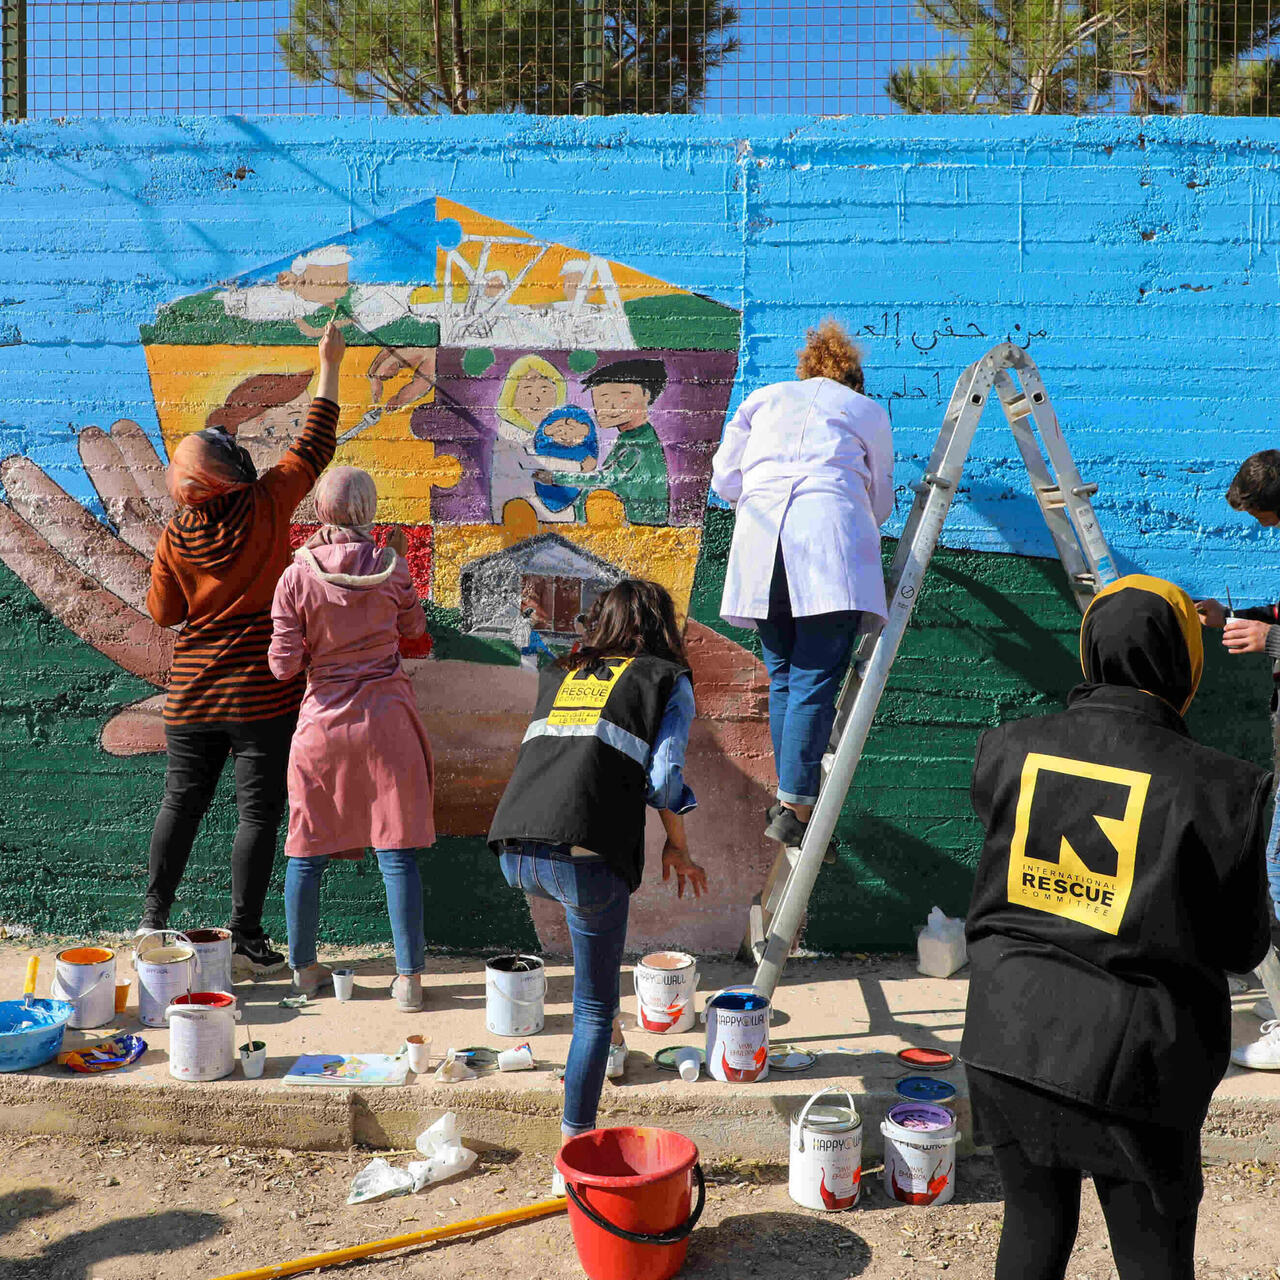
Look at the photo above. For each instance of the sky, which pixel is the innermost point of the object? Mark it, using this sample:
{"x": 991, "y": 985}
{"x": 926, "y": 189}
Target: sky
{"x": 123, "y": 57}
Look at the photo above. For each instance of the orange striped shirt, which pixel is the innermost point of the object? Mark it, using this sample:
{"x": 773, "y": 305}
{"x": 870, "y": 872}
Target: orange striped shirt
{"x": 216, "y": 568}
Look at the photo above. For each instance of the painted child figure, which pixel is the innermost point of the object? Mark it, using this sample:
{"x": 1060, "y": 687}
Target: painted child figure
{"x": 565, "y": 441}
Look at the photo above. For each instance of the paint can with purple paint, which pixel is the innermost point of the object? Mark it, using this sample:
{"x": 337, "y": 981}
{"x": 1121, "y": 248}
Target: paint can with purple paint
{"x": 920, "y": 1153}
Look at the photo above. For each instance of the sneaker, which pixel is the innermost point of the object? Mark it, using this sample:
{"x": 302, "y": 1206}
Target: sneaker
{"x": 775, "y": 810}
{"x": 617, "y": 1062}
{"x": 786, "y": 828}
{"x": 406, "y": 991}
{"x": 255, "y": 954}
{"x": 152, "y": 920}
{"x": 308, "y": 981}
{"x": 1264, "y": 1053}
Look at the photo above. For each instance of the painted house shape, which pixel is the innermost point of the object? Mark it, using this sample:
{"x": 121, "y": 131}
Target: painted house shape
{"x": 545, "y": 581}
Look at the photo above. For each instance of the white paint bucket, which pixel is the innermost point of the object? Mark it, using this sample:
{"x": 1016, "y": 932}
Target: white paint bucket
{"x": 166, "y": 970}
{"x": 514, "y": 989}
{"x": 86, "y": 977}
{"x": 825, "y": 1166}
{"x": 665, "y": 985}
{"x": 213, "y": 951}
{"x": 202, "y": 1035}
{"x": 920, "y": 1153}
{"x": 737, "y": 1035}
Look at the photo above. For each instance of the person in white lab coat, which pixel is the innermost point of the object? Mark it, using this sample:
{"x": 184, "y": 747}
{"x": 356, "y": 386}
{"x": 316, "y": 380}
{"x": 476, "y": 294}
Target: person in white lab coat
{"x": 808, "y": 467}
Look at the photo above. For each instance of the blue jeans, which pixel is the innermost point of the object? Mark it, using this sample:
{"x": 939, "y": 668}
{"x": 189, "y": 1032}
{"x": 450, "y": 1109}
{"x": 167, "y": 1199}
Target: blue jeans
{"x": 1273, "y": 864}
{"x": 596, "y": 901}
{"x": 806, "y": 659}
{"x": 403, "y": 883}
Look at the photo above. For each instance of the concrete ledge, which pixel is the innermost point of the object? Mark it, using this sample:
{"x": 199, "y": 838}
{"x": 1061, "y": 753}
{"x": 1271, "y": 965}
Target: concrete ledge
{"x": 855, "y": 1014}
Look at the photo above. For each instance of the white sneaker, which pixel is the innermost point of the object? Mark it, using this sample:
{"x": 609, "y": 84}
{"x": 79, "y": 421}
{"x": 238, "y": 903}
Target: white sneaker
{"x": 308, "y": 981}
{"x": 406, "y": 991}
{"x": 617, "y": 1062}
{"x": 1264, "y": 1053}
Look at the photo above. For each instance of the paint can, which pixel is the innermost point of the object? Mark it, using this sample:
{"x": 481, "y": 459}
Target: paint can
{"x": 166, "y": 969}
{"x": 665, "y": 985}
{"x": 86, "y": 978}
{"x": 737, "y": 1035}
{"x": 920, "y": 1153}
{"x": 202, "y": 1035}
{"x": 514, "y": 989}
{"x": 825, "y": 1165}
{"x": 213, "y": 951}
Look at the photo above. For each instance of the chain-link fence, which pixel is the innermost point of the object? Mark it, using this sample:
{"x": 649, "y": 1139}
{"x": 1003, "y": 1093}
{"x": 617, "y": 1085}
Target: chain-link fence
{"x": 127, "y": 57}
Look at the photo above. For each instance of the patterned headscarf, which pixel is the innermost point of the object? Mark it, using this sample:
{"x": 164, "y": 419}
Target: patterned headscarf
{"x": 348, "y": 498}
{"x": 207, "y": 465}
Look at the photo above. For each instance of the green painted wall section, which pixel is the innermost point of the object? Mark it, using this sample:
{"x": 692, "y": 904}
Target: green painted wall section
{"x": 993, "y": 638}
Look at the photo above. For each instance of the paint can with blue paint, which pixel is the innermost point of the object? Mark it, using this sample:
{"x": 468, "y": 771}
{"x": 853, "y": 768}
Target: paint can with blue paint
{"x": 737, "y": 1035}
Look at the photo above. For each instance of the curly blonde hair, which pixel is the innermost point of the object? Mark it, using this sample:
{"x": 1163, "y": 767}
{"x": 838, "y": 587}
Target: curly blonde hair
{"x": 829, "y": 352}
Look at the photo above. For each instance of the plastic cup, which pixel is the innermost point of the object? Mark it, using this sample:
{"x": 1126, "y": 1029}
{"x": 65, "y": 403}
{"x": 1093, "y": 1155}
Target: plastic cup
{"x": 344, "y": 983}
{"x": 253, "y": 1059}
{"x": 518, "y": 1059}
{"x": 122, "y": 995}
{"x": 688, "y": 1063}
{"x": 419, "y": 1054}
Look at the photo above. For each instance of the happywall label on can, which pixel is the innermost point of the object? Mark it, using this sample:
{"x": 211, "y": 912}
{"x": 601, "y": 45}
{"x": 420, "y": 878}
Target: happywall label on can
{"x": 665, "y": 984}
{"x": 825, "y": 1164}
{"x": 737, "y": 1035}
{"x": 919, "y": 1153}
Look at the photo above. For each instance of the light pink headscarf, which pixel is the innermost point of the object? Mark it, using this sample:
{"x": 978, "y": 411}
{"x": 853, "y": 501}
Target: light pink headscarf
{"x": 346, "y": 500}
{"x": 199, "y": 472}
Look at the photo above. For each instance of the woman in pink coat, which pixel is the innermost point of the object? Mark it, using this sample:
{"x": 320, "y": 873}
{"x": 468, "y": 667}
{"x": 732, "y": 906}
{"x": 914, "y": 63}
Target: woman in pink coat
{"x": 360, "y": 772}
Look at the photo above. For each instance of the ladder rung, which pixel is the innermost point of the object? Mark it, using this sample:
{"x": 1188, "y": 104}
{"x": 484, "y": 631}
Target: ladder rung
{"x": 1019, "y": 408}
{"x": 1085, "y": 579}
{"x": 1086, "y": 490}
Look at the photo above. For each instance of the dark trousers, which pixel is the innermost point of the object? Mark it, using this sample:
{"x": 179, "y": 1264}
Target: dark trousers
{"x": 1042, "y": 1213}
{"x": 197, "y": 754}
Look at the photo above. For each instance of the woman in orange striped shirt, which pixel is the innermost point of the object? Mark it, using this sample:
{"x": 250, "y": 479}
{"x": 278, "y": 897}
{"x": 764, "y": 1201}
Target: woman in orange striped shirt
{"x": 215, "y": 571}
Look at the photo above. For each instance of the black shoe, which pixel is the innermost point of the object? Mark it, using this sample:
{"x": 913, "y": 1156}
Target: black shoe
{"x": 152, "y": 919}
{"x": 256, "y": 954}
{"x": 774, "y": 811}
{"x": 786, "y": 828}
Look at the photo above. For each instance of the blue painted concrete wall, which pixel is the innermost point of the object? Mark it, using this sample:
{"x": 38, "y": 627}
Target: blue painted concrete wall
{"x": 1137, "y": 259}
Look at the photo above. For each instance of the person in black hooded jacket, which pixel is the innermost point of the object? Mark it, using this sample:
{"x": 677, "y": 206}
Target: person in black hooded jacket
{"x": 1121, "y": 878}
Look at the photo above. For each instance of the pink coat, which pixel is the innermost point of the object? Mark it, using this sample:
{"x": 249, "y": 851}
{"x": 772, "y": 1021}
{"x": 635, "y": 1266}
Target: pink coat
{"x": 360, "y": 769}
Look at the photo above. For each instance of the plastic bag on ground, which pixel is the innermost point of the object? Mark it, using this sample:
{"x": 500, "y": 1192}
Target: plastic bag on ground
{"x": 940, "y": 945}
{"x": 453, "y": 1069}
{"x": 446, "y": 1157}
{"x": 378, "y": 1180}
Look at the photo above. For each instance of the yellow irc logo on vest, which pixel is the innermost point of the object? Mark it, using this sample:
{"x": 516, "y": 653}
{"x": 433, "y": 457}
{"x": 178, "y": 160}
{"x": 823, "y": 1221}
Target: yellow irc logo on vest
{"x": 582, "y": 695}
{"x": 1075, "y": 839}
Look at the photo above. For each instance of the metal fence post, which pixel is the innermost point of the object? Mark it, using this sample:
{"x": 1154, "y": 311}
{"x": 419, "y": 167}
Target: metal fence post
{"x": 1199, "y": 56}
{"x": 593, "y": 57}
{"x": 13, "y": 58}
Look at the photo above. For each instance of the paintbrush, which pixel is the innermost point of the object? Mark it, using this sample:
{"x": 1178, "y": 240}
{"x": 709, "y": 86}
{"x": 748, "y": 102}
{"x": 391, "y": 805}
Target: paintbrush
{"x": 1231, "y": 609}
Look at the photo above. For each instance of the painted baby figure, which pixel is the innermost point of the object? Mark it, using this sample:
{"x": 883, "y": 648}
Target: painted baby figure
{"x": 360, "y": 766}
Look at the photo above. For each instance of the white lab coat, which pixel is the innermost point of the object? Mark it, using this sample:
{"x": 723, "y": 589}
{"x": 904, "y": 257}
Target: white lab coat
{"x": 810, "y": 464}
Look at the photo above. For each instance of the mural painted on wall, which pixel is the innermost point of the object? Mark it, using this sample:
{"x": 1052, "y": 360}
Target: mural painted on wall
{"x": 540, "y": 420}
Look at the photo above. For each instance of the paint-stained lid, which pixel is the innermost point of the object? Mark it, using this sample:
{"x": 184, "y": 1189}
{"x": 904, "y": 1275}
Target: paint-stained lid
{"x": 925, "y": 1089}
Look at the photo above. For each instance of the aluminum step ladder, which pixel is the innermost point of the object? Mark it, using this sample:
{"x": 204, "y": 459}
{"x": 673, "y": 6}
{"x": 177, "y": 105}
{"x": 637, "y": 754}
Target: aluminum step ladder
{"x": 778, "y": 911}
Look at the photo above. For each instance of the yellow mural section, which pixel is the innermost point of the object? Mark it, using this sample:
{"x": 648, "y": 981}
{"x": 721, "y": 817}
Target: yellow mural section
{"x": 189, "y": 382}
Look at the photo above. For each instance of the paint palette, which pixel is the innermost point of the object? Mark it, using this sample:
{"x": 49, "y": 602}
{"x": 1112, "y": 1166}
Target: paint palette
{"x": 926, "y": 1059}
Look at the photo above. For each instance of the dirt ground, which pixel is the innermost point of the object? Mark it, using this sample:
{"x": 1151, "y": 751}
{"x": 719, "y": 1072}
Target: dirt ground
{"x": 144, "y": 1211}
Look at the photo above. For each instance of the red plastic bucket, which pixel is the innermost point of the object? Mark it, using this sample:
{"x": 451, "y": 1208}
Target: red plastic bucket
{"x": 630, "y": 1192}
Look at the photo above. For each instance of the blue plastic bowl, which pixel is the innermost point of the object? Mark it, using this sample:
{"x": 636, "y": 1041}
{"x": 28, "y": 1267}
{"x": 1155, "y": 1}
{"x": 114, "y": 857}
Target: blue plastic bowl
{"x": 31, "y": 1036}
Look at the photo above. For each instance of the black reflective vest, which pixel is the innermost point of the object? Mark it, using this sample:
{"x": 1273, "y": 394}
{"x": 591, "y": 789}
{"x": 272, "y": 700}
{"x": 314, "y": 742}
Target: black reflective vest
{"x": 1121, "y": 877}
{"x": 582, "y": 774}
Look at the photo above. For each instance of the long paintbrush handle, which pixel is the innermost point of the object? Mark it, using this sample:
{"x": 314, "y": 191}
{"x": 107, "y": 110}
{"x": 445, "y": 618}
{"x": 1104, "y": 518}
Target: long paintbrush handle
{"x": 336, "y": 1256}
{"x": 29, "y": 986}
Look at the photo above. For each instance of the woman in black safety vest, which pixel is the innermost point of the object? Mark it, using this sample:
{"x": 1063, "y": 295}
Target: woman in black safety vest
{"x": 1121, "y": 879}
{"x": 608, "y": 737}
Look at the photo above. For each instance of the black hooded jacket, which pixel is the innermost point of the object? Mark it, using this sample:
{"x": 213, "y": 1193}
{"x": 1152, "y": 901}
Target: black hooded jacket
{"x": 1122, "y": 876}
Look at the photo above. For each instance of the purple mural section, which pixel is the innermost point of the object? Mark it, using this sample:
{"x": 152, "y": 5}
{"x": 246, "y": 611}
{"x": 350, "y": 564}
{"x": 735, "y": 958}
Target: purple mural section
{"x": 523, "y": 414}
